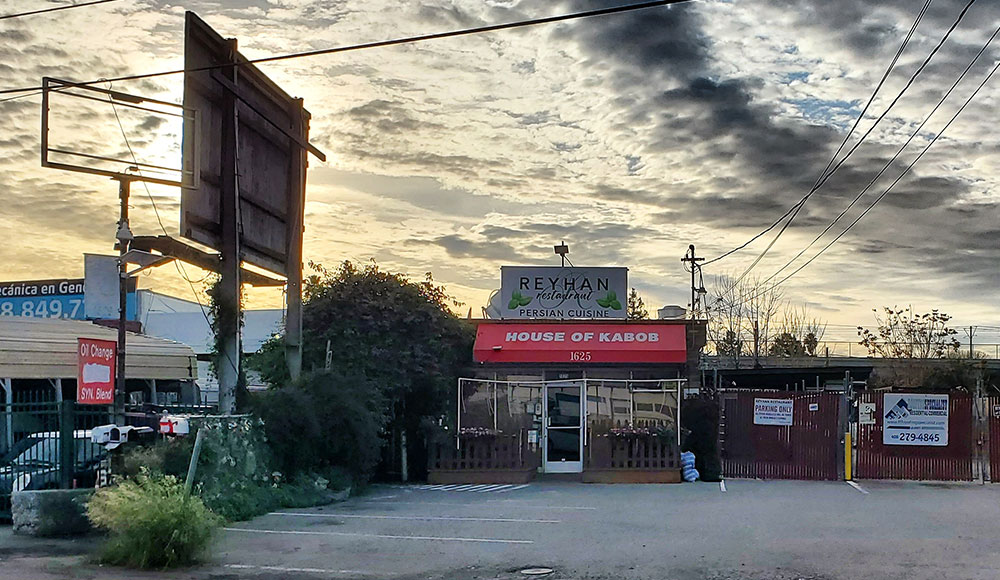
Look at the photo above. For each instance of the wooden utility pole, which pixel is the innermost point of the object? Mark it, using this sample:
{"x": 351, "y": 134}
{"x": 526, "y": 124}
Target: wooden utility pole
{"x": 228, "y": 321}
{"x": 690, "y": 257}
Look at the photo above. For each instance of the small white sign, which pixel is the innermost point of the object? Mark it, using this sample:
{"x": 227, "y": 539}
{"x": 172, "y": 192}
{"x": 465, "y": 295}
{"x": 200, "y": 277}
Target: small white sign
{"x": 866, "y": 414}
{"x": 814, "y": 406}
{"x": 914, "y": 419}
{"x": 772, "y": 411}
{"x": 532, "y": 436}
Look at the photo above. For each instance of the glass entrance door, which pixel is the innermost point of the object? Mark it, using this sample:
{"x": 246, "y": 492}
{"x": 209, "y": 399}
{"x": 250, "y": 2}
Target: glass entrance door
{"x": 564, "y": 420}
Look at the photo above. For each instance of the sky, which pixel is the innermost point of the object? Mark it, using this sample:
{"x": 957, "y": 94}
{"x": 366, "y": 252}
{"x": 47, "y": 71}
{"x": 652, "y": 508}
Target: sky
{"x": 627, "y": 136}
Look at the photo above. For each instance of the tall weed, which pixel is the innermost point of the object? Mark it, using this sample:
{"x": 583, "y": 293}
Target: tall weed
{"x": 152, "y": 523}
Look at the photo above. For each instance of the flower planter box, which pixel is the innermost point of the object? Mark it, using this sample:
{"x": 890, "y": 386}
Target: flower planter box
{"x": 489, "y": 459}
{"x": 635, "y": 458}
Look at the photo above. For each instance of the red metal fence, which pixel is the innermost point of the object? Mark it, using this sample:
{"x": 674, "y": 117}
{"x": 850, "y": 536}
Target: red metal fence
{"x": 806, "y": 449}
{"x": 918, "y": 462}
{"x": 993, "y": 419}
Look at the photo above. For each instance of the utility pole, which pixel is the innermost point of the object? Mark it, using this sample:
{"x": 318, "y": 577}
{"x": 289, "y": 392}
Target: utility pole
{"x": 124, "y": 237}
{"x": 690, "y": 257}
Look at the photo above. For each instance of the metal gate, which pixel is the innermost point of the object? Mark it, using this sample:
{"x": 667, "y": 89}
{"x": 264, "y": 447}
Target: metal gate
{"x": 952, "y": 462}
{"x": 808, "y": 448}
{"x": 47, "y": 445}
{"x": 993, "y": 419}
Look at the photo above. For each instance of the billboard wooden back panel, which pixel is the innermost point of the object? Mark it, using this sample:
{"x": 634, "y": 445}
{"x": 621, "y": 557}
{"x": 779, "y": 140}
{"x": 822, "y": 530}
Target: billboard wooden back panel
{"x": 270, "y": 194}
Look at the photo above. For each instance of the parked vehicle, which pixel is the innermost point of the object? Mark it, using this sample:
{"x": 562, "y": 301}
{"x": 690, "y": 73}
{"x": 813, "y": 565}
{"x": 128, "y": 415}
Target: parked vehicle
{"x": 33, "y": 463}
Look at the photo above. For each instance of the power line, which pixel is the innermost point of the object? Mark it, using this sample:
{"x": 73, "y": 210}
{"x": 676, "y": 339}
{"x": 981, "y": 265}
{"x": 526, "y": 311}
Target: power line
{"x": 893, "y": 184}
{"x": 893, "y": 158}
{"x": 57, "y": 8}
{"x": 847, "y": 137}
{"x": 383, "y": 43}
{"x": 855, "y": 147}
{"x": 177, "y": 265}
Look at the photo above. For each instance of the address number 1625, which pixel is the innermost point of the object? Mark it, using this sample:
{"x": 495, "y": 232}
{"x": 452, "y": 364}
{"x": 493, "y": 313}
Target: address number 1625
{"x": 579, "y": 356}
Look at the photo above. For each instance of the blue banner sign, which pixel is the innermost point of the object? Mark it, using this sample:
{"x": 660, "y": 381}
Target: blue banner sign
{"x": 50, "y": 299}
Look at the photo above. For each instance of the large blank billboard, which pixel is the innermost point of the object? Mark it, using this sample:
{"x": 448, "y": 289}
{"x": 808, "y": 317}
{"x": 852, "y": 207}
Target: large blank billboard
{"x": 272, "y": 132}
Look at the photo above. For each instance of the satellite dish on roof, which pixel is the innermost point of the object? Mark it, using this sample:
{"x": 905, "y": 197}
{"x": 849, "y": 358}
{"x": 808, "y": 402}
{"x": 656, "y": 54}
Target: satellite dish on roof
{"x": 492, "y": 309}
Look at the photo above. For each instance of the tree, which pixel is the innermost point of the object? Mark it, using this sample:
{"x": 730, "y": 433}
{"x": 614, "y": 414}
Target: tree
{"x": 636, "y": 307}
{"x": 901, "y": 333}
{"x": 742, "y": 314}
{"x": 786, "y": 344}
{"x": 399, "y": 334}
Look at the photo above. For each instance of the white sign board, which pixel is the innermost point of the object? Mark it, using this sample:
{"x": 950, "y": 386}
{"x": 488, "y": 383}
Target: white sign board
{"x": 866, "y": 413}
{"x": 554, "y": 293}
{"x": 772, "y": 411}
{"x": 912, "y": 419}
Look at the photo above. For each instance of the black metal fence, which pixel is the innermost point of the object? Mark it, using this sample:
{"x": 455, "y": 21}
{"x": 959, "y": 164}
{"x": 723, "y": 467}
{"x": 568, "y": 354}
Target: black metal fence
{"x": 46, "y": 445}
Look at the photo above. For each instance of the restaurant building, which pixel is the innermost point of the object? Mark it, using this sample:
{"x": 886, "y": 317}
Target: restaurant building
{"x": 565, "y": 383}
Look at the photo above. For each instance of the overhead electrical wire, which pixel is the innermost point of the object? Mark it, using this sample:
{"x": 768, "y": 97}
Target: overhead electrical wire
{"x": 795, "y": 208}
{"x": 887, "y": 190}
{"x": 889, "y": 163}
{"x": 54, "y": 9}
{"x": 901, "y": 175}
{"x": 177, "y": 263}
{"x": 847, "y": 137}
{"x": 382, "y": 43}
{"x": 855, "y": 147}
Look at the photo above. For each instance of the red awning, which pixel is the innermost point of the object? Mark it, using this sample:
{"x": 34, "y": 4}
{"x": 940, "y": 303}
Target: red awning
{"x": 597, "y": 342}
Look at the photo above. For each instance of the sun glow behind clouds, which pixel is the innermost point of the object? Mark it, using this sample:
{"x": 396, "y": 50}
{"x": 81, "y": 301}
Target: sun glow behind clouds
{"x": 629, "y": 137}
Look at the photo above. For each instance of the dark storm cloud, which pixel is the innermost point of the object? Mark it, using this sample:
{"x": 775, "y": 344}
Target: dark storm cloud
{"x": 655, "y": 41}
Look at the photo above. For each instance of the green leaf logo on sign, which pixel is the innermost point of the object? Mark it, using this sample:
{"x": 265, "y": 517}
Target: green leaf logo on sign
{"x": 517, "y": 299}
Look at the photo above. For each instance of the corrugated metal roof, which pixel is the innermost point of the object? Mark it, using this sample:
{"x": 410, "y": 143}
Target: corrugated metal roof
{"x": 34, "y": 348}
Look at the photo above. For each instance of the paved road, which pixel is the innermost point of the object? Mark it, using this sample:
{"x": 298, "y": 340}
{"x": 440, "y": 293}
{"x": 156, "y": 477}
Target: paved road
{"x": 760, "y": 530}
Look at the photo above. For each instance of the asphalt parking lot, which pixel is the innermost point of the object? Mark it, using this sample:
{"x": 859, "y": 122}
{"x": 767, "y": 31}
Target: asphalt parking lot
{"x": 760, "y": 530}
{"x": 742, "y": 529}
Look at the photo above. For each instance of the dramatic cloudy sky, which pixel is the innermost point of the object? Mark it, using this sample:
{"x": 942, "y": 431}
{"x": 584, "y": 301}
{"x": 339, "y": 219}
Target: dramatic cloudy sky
{"x": 627, "y": 136}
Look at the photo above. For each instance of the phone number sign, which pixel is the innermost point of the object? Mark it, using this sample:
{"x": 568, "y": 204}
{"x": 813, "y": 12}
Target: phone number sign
{"x": 915, "y": 419}
{"x": 61, "y": 298}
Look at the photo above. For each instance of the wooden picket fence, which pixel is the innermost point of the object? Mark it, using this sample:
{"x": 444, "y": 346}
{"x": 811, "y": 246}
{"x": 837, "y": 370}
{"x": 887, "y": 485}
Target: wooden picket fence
{"x": 637, "y": 452}
{"x": 496, "y": 452}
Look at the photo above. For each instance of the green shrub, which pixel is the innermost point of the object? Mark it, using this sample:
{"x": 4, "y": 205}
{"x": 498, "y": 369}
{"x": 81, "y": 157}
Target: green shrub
{"x": 700, "y": 416}
{"x": 325, "y": 420}
{"x": 152, "y": 523}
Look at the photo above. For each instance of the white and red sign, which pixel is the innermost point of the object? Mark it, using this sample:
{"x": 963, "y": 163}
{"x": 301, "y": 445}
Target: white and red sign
{"x": 95, "y": 377}
{"x": 581, "y": 343}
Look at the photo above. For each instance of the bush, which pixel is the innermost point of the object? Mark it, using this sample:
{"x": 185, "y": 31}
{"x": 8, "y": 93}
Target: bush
{"x": 235, "y": 477}
{"x": 324, "y": 421}
{"x": 152, "y": 523}
{"x": 700, "y": 417}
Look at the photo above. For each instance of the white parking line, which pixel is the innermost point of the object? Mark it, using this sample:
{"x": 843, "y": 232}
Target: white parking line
{"x": 382, "y": 536}
{"x": 301, "y": 570}
{"x": 476, "y": 487}
{"x": 432, "y": 518}
{"x": 515, "y": 488}
{"x": 722, "y": 485}
{"x": 493, "y": 488}
{"x": 857, "y": 487}
{"x": 461, "y": 487}
{"x": 490, "y": 503}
